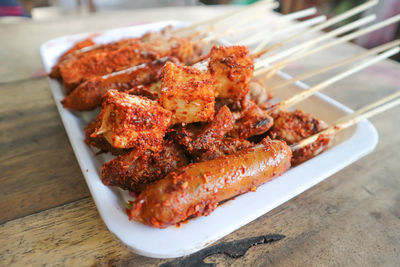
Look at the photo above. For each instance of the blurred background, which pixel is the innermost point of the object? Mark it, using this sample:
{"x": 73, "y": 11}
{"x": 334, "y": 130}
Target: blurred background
{"x": 12, "y": 10}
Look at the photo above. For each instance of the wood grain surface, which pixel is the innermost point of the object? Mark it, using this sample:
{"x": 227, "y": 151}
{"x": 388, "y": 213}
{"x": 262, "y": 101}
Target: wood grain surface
{"x": 48, "y": 218}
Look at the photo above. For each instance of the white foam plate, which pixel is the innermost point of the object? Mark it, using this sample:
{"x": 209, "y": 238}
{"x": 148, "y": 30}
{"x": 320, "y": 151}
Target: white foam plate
{"x": 350, "y": 145}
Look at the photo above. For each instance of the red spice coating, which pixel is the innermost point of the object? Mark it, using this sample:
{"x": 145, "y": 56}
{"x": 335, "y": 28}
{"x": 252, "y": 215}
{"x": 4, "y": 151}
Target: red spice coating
{"x": 84, "y": 66}
{"x": 132, "y": 121}
{"x": 76, "y": 71}
{"x": 188, "y": 93}
{"x": 232, "y": 67}
{"x": 89, "y": 95}
{"x": 252, "y": 120}
{"x": 294, "y": 126}
{"x": 187, "y": 193}
{"x": 134, "y": 170}
{"x": 55, "y": 71}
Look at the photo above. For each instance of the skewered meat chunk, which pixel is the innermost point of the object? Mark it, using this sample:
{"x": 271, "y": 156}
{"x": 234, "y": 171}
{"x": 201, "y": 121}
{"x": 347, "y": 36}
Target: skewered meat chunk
{"x": 223, "y": 147}
{"x": 207, "y": 142}
{"x": 259, "y": 94}
{"x": 132, "y": 121}
{"x": 151, "y": 91}
{"x": 55, "y": 71}
{"x": 91, "y": 51}
{"x": 100, "y": 62}
{"x": 251, "y": 121}
{"x": 188, "y": 93}
{"x": 74, "y": 72}
{"x": 232, "y": 67}
{"x": 294, "y": 126}
{"x": 307, "y": 152}
{"x": 134, "y": 170}
{"x": 216, "y": 129}
{"x": 88, "y": 95}
{"x": 98, "y": 141}
{"x": 88, "y": 46}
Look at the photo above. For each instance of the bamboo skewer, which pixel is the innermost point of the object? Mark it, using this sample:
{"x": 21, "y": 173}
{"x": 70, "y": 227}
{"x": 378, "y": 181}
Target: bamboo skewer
{"x": 315, "y": 41}
{"x": 324, "y": 25}
{"x": 223, "y": 17}
{"x": 274, "y": 68}
{"x": 283, "y": 18}
{"x": 369, "y": 107}
{"x": 267, "y": 36}
{"x": 351, "y": 119}
{"x": 264, "y": 4}
{"x": 233, "y": 29}
{"x": 271, "y": 33}
{"x": 370, "y": 52}
{"x": 312, "y": 90}
{"x": 233, "y": 24}
{"x": 248, "y": 15}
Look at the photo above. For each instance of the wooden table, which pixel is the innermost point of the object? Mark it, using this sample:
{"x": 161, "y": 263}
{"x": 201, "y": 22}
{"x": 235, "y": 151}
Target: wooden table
{"x": 47, "y": 216}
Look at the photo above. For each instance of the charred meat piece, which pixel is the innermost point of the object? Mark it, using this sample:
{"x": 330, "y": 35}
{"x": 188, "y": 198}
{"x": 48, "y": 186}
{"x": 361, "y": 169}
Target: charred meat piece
{"x": 89, "y": 95}
{"x": 84, "y": 66}
{"x": 87, "y": 47}
{"x": 91, "y": 51}
{"x": 199, "y": 139}
{"x": 206, "y": 142}
{"x": 129, "y": 121}
{"x": 223, "y": 147}
{"x": 303, "y": 154}
{"x": 99, "y": 141}
{"x": 252, "y": 120}
{"x": 151, "y": 91}
{"x": 88, "y": 66}
{"x": 294, "y": 126}
{"x": 134, "y": 170}
{"x": 259, "y": 94}
{"x": 233, "y": 105}
{"x": 188, "y": 93}
{"x": 216, "y": 129}
{"x": 232, "y": 67}
{"x": 55, "y": 71}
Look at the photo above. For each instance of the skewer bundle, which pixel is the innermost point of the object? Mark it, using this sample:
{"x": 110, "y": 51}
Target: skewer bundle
{"x": 170, "y": 112}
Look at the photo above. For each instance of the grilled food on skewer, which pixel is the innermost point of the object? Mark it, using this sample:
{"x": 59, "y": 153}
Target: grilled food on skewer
{"x": 129, "y": 121}
{"x": 138, "y": 168}
{"x": 174, "y": 126}
{"x": 89, "y": 95}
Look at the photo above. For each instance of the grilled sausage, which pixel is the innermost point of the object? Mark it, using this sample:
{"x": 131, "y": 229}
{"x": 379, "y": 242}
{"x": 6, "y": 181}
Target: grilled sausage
{"x": 198, "y": 188}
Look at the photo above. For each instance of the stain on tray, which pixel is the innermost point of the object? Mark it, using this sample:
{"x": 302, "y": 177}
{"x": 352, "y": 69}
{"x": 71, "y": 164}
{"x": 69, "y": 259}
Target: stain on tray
{"x": 233, "y": 249}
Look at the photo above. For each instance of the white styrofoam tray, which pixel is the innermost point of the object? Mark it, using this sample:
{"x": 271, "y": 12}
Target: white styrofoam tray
{"x": 350, "y": 145}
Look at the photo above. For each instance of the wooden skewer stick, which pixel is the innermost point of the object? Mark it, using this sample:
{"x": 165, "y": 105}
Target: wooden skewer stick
{"x": 274, "y": 68}
{"x": 223, "y": 17}
{"x": 272, "y": 33}
{"x": 312, "y": 90}
{"x": 264, "y": 5}
{"x": 349, "y": 120}
{"x": 317, "y": 71}
{"x": 282, "y": 20}
{"x": 268, "y": 35}
{"x": 315, "y": 41}
{"x": 236, "y": 26}
{"x": 248, "y": 15}
{"x": 324, "y": 25}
